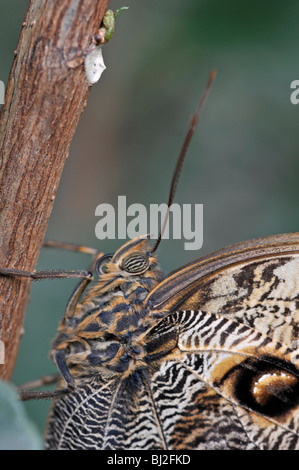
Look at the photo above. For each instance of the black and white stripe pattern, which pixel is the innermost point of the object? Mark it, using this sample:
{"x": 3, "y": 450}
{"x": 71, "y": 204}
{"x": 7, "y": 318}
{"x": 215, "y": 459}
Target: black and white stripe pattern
{"x": 188, "y": 405}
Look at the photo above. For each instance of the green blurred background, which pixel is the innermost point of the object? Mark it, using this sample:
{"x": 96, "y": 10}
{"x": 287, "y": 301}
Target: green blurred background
{"x": 243, "y": 161}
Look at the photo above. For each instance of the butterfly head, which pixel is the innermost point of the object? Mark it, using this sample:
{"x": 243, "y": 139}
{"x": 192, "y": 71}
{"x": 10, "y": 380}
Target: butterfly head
{"x": 133, "y": 259}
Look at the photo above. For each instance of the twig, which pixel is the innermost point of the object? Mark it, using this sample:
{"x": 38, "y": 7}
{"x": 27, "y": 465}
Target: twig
{"x": 45, "y": 97}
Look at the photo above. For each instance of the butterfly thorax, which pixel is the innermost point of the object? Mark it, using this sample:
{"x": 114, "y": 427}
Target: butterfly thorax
{"x": 104, "y": 336}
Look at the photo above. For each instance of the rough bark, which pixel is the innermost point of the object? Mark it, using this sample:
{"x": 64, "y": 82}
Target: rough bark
{"x": 45, "y": 96}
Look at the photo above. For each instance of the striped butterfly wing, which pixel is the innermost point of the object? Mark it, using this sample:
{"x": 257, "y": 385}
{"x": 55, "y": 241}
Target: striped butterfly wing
{"x": 232, "y": 382}
{"x": 188, "y": 399}
{"x": 109, "y": 416}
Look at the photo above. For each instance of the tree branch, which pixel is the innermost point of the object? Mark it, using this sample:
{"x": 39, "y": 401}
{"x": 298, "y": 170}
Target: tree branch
{"x": 45, "y": 96}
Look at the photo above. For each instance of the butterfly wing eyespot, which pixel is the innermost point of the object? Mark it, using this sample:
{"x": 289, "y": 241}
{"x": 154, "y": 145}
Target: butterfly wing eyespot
{"x": 265, "y": 385}
{"x": 101, "y": 267}
{"x": 135, "y": 263}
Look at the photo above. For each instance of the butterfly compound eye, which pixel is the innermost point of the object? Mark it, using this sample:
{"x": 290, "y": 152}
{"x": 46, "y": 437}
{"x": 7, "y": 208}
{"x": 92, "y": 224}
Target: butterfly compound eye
{"x": 136, "y": 263}
{"x": 101, "y": 267}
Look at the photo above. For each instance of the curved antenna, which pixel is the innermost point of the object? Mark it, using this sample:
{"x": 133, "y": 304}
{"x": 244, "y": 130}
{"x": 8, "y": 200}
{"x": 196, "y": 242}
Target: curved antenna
{"x": 182, "y": 154}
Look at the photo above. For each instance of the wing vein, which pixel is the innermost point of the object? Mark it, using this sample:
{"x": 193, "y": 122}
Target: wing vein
{"x": 155, "y": 411}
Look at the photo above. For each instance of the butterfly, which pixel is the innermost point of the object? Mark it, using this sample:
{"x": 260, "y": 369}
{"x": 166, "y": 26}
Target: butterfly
{"x": 204, "y": 358}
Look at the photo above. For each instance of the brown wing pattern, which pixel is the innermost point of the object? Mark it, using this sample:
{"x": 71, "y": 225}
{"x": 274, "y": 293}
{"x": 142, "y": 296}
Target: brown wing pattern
{"x": 184, "y": 288}
{"x": 258, "y": 285}
{"x": 226, "y": 386}
{"x": 235, "y": 399}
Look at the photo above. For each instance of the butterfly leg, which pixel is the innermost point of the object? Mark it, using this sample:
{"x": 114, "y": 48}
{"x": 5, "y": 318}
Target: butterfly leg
{"x": 54, "y": 274}
{"x": 70, "y": 246}
{"x": 86, "y": 276}
{"x": 59, "y": 358}
{"x": 76, "y": 248}
{"x": 26, "y": 395}
{"x": 41, "y": 382}
{"x": 46, "y": 274}
{"x": 26, "y": 392}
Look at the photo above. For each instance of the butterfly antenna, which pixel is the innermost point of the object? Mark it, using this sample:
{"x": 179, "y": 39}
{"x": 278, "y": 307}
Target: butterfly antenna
{"x": 182, "y": 155}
